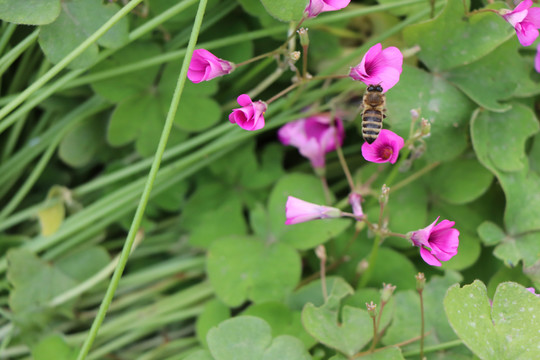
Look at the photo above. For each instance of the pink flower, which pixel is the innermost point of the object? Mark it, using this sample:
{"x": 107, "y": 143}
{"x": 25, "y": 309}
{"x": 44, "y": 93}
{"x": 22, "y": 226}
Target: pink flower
{"x": 384, "y": 149}
{"x": 356, "y": 203}
{"x": 250, "y": 115}
{"x": 525, "y": 20}
{"x": 379, "y": 67}
{"x": 315, "y": 7}
{"x": 205, "y": 66}
{"x": 313, "y": 136}
{"x": 297, "y": 211}
{"x": 532, "y": 291}
{"x": 537, "y": 59}
{"x": 437, "y": 242}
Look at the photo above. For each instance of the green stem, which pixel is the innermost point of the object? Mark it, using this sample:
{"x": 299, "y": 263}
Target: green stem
{"x": 366, "y": 276}
{"x": 6, "y": 35}
{"x": 433, "y": 348}
{"x": 14, "y": 53}
{"x": 148, "y": 187}
{"x": 65, "y": 61}
{"x": 422, "y": 326}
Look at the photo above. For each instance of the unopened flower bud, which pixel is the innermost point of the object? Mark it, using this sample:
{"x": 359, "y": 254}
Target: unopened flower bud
{"x": 425, "y": 127}
{"x": 372, "y": 309}
{"x": 304, "y": 37}
{"x": 415, "y": 114}
{"x": 387, "y": 291}
{"x": 420, "y": 281}
{"x": 356, "y": 203}
{"x": 295, "y": 55}
{"x": 361, "y": 267}
{"x": 320, "y": 251}
{"x": 385, "y": 193}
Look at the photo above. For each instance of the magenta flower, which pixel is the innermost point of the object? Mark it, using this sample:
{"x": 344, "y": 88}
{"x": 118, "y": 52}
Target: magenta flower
{"x": 379, "y": 67}
{"x": 537, "y": 59}
{"x": 356, "y": 203}
{"x": 436, "y": 242}
{"x": 315, "y": 7}
{"x": 313, "y": 136}
{"x": 297, "y": 211}
{"x": 384, "y": 149}
{"x": 525, "y": 20}
{"x": 250, "y": 115}
{"x": 532, "y": 291}
{"x": 205, "y": 66}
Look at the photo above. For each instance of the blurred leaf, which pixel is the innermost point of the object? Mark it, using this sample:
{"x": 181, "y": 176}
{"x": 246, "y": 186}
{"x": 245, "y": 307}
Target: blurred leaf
{"x": 200, "y": 355}
{"x": 29, "y": 12}
{"x": 453, "y": 39}
{"x": 407, "y": 209}
{"x": 250, "y": 338}
{"x": 79, "y": 146}
{"x": 499, "y": 138}
{"x": 214, "y": 312}
{"x": 504, "y": 331}
{"x": 312, "y": 293}
{"x": 54, "y": 347}
{"x": 285, "y": 10}
{"x": 364, "y": 296}
{"x": 403, "y": 10}
{"x": 173, "y": 198}
{"x": 306, "y": 235}
{"x": 505, "y": 274}
{"x": 394, "y": 268}
{"x": 118, "y": 88}
{"x": 460, "y": 181}
{"x": 83, "y": 263}
{"x": 393, "y": 353}
{"x": 242, "y": 268}
{"x": 256, "y": 8}
{"x": 282, "y": 320}
{"x": 490, "y": 233}
{"x": 349, "y": 333}
{"x": 478, "y": 82}
{"x": 34, "y": 283}
{"x": 440, "y": 102}
{"x": 51, "y": 217}
{"x": 469, "y": 252}
{"x": 78, "y": 20}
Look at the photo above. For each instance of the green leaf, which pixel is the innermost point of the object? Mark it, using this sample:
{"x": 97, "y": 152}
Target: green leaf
{"x": 364, "y": 296}
{"x": 282, "y": 320}
{"x": 407, "y": 210}
{"x": 29, "y": 12}
{"x": 499, "y": 138}
{"x": 78, "y": 20}
{"x": 393, "y": 353}
{"x": 440, "y": 102}
{"x": 118, "y": 88}
{"x": 54, "y": 347}
{"x": 466, "y": 39}
{"x": 505, "y": 331}
{"x": 242, "y": 268}
{"x": 312, "y": 293}
{"x": 469, "y": 252}
{"x": 490, "y": 233}
{"x": 477, "y": 81}
{"x": 460, "y": 181}
{"x": 35, "y": 283}
{"x": 306, "y": 235}
{"x": 249, "y": 338}
{"x": 214, "y": 312}
{"x": 393, "y": 267}
{"x": 350, "y": 334}
{"x": 405, "y": 324}
{"x": 84, "y": 262}
{"x": 200, "y": 355}
{"x": 79, "y": 146}
{"x": 285, "y": 10}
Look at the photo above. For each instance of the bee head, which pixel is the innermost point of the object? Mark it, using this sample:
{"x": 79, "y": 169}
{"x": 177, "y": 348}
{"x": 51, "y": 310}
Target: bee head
{"x": 377, "y": 88}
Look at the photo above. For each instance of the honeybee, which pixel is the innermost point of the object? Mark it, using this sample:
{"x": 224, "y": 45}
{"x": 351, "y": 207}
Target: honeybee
{"x": 373, "y": 113}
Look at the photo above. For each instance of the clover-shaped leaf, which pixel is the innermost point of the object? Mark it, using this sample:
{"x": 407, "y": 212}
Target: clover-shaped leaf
{"x": 250, "y": 338}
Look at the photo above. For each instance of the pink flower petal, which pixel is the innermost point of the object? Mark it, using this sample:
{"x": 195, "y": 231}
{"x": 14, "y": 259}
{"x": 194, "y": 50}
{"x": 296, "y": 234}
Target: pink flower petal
{"x": 429, "y": 258}
{"x": 244, "y": 100}
{"x": 524, "y": 5}
{"x": 537, "y": 59}
{"x": 533, "y": 17}
{"x": 526, "y": 33}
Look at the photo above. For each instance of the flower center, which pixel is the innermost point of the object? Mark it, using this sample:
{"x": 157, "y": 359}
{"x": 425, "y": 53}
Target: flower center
{"x": 386, "y": 153}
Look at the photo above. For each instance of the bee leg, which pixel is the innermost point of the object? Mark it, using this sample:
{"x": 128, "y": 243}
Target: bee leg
{"x": 384, "y": 116}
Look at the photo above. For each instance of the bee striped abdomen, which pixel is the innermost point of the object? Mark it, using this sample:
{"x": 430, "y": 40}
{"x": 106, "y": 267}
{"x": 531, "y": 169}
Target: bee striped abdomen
{"x": 373, "y": 114}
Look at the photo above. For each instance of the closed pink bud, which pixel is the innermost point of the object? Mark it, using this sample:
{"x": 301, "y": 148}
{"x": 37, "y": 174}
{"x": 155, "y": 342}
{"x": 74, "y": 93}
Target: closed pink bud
{"x": 297, "y": 211}
{"x": 356, "y": 203}
{"x": 315, "y": 7}
{"x": 537, "y": 59}
{"x": 384, "y": 149}
{"x": 251, "y": 115}
{"x": 205, "y": 66}
{"x": 436, "y": 242}
{"x": 379, "y": 67}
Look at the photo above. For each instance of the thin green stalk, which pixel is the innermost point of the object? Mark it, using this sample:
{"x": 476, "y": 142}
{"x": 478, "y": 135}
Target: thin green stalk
{"x": 65, "y": 61}
{"x": 433, "y": 348}
{"x": 148, "y": 187}
{"x": 13, "y": 54}
{"x": 6, "y": 35}
{"x": 30, "y": 180}
{"x": 366, "y": 276}
{"x": 169, "y": 347}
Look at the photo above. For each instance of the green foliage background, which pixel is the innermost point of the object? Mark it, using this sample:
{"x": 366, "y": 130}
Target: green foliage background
{"x": 215, "y": 274}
